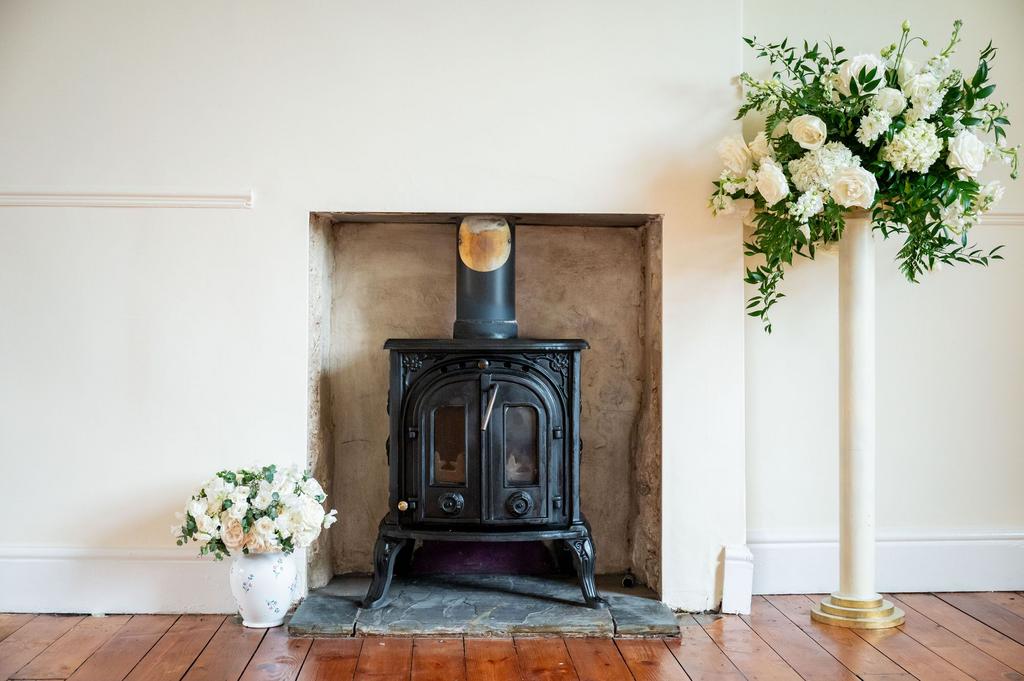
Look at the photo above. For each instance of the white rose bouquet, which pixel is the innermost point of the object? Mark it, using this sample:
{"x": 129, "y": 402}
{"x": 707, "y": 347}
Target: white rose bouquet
{"x": 878, "y": 132}
{"x": 259, "y": 510}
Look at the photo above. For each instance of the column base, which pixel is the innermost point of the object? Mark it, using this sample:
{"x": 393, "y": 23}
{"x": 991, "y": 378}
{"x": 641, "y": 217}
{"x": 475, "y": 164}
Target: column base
{"x": 873, "y": 613}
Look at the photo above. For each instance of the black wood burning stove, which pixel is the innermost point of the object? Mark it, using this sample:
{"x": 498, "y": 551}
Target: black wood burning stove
{"x": 484, "y": 427}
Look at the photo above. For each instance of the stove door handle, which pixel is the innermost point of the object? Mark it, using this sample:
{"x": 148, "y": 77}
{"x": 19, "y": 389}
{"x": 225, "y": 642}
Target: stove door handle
{"x": 490, "y": 407}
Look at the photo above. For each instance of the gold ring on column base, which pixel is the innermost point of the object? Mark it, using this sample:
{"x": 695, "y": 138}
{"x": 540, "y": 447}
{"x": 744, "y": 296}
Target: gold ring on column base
{"x": 884, "y": 616}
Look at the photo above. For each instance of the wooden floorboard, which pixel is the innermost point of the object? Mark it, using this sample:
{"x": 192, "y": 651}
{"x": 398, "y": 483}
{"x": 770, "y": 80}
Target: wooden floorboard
{"x": 699, "y": 656}
{"x": 649, "y": 659}
{"x": 227, "y": 654}
{"x": 751, "y": 655}
{"x": 492, "y": 659}
{"x": 10, "y": 623}
{"x": 176, "y": 650}
{"x": 67, "y": 653}
{"x": 331, "y": 659}
{"x": 984, "y": 610}
{"x": 117, "y": 657}
{"x": 978, "y": 634}
{"x": 18, "y": 649}
{"x": 856, "y": 654}
{"x": 384, "y": 659}
{"x": 544, "y": 659}
{"x": 438, "y": 659}
{"x": 946, "y": 637}
{"x": 278, "y": 658}
{"x": 952, "y": 648}
{"x": 800, "y": 651}
{"x": 597, "y": 659}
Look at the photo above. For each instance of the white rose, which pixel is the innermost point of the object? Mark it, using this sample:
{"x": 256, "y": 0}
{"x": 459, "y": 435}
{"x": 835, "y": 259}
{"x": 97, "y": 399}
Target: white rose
{"x": 920, "y": 87}
{"x": 808, "y": 131}
{"x": 907, "y": 70}
{"x": 284, "y": 524}
{"x": 966, "y": 154}
{"x": 890, "y": 100}
{"x": 313, "y": 489}
{"x": 207, "y": 525}
{"x": 735, "y": 155}
{"x": 311, "y": 513}
{"x": 852, "y": 68}
{"x": 264, "y": 497}
{"x": 761, "y": 147}
{"x": 771, "y": 182}
{"x": 233, "y": 536}
{"x": 854, "y": 187}
{"x": 197, "y": 507}
{"x": 305, "y": 537}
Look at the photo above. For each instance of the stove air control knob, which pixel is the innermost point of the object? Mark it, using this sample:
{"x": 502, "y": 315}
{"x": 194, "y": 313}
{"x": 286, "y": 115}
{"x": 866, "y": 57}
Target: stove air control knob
{"x": 451, "y": 503}
{"x": 403, "y": 505}
{"x": 519, "y": 504}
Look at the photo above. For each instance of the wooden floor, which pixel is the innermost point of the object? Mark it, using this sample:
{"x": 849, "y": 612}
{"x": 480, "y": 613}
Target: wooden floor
{"x": 946, "y": 636}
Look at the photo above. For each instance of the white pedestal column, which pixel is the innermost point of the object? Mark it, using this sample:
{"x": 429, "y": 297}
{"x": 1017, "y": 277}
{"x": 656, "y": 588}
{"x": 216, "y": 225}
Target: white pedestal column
{"x": 856, "y": 604}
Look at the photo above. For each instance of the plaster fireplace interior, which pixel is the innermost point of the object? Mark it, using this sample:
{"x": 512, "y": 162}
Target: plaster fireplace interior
{"x": 595, "y": 277}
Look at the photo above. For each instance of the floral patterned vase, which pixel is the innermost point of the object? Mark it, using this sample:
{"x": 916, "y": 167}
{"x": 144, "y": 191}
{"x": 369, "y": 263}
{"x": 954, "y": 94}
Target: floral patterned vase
{"x": 263, "y": 585}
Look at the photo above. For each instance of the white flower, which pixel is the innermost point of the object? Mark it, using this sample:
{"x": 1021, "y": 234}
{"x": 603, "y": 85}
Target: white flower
{"x": 816, "y": 168}
{"x": 852, "y": 68}
{"x": 208, "y": 526}
{"x": 907, "y": 70}
{"x": 854, "y": 187}
{"x": 924, "y": 95}
{"x": 310, "y": 513}
{"x": 735, "y": 155}
{"x": 197, "y": 508}
{"x": 722, "y": 204}
{"x": 239, "y": 499}
{"x": 284, "y": 524}
{"x": 761, "y": 147}
{"x": 991, "y": 194}
{"x": 966, "y": 154}
{"x": 264, "y": 497}
{"x": 217, "y": 490}
{"x": 771, "y": 182}
{"x": 330, "y": 518}
{"x": 313, "y": 489}
{"x": 915, "y": 148}
{"x": 808, "y": 131}
{"x": 807, "y": 206}
{"x": 939, "y": 66}
{"x": 872, "y": 125}
{"x": 890, "y": 100}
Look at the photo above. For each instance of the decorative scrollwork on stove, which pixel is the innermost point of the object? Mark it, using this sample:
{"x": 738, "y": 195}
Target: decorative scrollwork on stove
{"x": 557, "y": 363}
{"x": 413, "y": 362}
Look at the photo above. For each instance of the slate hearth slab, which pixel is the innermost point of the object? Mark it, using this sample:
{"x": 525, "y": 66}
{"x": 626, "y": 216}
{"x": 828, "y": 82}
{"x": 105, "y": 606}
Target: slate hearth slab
{"x": 480, "y": 605}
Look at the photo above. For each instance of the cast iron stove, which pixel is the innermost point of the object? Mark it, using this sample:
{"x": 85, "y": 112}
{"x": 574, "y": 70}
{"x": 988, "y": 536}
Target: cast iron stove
{"x": 484, "y": 438}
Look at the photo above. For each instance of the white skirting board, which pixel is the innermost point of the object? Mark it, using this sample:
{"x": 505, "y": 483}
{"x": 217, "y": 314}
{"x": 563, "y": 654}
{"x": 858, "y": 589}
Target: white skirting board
{"x": 74, "y": 580}
{"x": 907, "y": 561}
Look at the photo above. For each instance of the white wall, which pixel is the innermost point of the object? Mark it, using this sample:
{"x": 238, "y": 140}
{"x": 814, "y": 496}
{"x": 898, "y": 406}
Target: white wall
{"x": 950, "y": 370}
{"x": 141, "y": 349}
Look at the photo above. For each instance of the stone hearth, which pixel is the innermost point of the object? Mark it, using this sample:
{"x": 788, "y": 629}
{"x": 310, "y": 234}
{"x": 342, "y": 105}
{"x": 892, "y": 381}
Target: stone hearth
{"x": 482, "y": 605}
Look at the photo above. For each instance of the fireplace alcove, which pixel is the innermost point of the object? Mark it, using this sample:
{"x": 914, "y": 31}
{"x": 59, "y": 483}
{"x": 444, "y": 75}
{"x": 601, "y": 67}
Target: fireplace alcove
{"x": 375, "y": 276}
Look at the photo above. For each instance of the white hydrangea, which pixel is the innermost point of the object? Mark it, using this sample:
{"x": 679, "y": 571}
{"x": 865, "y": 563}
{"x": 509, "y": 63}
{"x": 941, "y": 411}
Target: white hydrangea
{"x": 809, "y": 204}
{"x": 914, "y": 148}
{"x": 872, "y": 125}
{"x": 924, "y": 94}
{"x": 815, "y": 169}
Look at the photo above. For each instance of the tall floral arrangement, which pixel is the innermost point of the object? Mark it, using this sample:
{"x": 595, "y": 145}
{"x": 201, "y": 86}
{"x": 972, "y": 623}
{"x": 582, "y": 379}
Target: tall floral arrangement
{"x": 878, "y": 132}
{"x": 254, "y": 510}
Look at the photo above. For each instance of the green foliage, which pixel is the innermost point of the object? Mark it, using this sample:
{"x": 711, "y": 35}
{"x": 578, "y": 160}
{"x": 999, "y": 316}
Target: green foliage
{"x": 932, "y": 210}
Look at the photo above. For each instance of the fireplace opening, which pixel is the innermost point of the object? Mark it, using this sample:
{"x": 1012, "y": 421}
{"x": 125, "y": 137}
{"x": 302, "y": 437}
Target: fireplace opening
{"x": 476, "y": 469}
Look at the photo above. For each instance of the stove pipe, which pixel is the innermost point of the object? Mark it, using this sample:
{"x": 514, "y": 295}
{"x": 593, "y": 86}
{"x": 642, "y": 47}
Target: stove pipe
{"x": 485, "y": 282}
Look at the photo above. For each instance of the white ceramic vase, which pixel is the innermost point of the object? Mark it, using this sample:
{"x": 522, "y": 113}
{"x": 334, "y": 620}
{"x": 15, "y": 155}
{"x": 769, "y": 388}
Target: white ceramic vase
{"x": 263, "y": 585}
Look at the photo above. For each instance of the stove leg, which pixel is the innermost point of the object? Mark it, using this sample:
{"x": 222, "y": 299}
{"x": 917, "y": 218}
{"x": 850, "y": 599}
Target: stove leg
{"x": 384, "y": 554}
{"x": 583, "y": 558}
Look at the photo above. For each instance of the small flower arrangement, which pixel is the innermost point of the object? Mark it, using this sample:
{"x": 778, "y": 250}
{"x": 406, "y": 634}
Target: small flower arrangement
{"x": 258, "y": 510}
{"x": 906, "y": 141}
